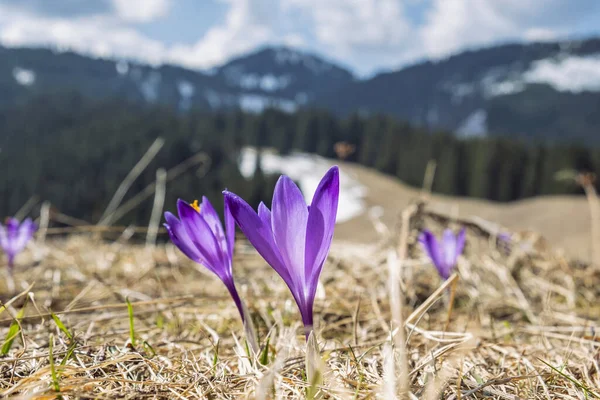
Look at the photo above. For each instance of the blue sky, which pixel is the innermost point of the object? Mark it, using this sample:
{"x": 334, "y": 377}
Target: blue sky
{"x": 365, "y": 35}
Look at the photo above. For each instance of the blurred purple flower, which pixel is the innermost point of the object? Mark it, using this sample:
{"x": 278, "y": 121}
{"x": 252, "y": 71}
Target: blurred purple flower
{"x": 443, "y": 255}
{"x": 294, "y": 239}
{"x": 199, "y": 234}
{"x": 505, "y": 237}
{"x": 504, "y": 242}
{"x": 14, "y": 237}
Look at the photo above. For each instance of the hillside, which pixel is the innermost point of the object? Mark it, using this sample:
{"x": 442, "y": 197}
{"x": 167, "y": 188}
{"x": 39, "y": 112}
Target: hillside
{"x": 369, "y": 198}
{"x": 564, "y": 221}
{"x": 542, "y": 91}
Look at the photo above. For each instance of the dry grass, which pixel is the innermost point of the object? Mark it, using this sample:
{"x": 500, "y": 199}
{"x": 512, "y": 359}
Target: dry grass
{"x": 522, "y": 324}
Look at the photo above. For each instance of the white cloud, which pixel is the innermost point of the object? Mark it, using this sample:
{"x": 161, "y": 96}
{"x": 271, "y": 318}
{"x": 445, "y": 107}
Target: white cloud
{"x": 452, "y": 25}
{"x": 540, "y": 34}
{"x": 141, "y": 10}
{"x": 248, "y": 24}
{"x": 96, "y": 35}
{"x": 346, "y": 24}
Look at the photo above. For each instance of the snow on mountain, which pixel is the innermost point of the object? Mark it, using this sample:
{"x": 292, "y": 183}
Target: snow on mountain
{"x": 470, "y": 93}
{"x": 568, "y": 74}
{"x": 122, "y": 67}
{"x": 256, "y": 103}
{"x": 474, "y": 126}
{"x": 186, "y": 91}
{"x": 307, "y": 170}
{"x": 285, "y": 55}
{"x": 268, "y": 82}
{"x": 150, "y": 86}
{"x": 565, "y": 73}
{"x": 23, "y": 76}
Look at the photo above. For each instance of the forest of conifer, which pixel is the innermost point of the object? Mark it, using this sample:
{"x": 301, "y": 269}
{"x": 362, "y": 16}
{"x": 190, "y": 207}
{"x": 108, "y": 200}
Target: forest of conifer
{"x": 75, "y": 152}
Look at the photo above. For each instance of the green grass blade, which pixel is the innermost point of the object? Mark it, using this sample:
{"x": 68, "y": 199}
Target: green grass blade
{"x": 580, "y": 385}
{"x": 131, "y": 325}
{"x": 13, "y": 331}
{"x": 148, "y": 347}
{"x": 264, "y": 357}
{"x": 53, "y": 373}
{"x": 216, "y": 356}
{"x": 61, "y": 326}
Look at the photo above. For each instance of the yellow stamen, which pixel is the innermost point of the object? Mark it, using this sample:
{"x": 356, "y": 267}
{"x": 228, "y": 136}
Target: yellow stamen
{"x": 195, "y": 205}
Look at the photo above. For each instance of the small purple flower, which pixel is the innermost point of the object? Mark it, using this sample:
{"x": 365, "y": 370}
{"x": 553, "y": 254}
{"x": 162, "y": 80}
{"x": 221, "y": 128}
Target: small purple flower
{"x": 199, "y": 234}
{"x": 504, "y": 242}
{"x": 14, "y": 237}
{"x": 294, "y": 239}
{"x": 443, "y": 255}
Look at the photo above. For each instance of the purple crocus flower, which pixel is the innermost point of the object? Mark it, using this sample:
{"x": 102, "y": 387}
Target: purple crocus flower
{"x": 443, "y": 255}
{"x": 14, "y": 237}
{"x": 504, "y": 242}
{"x": 199, "y": 234}
{"x": 293, "y": 238}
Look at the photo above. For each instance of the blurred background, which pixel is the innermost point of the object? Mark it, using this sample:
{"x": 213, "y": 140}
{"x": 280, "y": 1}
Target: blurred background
{"x": 498, "y": 99}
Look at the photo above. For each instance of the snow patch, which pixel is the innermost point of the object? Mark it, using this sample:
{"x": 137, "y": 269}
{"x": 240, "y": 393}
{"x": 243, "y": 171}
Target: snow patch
{"x": 122, "y": 67}
{"x": 23, "y": 76}
{"x": 287, "y": 56}
{"x": 458, "y": 91}
{"x": 570, "y": 74}
{"x": 307, "y": 170}
{"x": 255, "y": 103}
{"x": 150, "y": 86}
{"x": 301, "y": 98}
{"x": 504, "y": 88}
{"x": 213, "y": 98}
{"x": 268, "y": 82}
{"x": 186, "y": 92}
{"x": 474, "y": 126}
{"x": 271, "y": 83}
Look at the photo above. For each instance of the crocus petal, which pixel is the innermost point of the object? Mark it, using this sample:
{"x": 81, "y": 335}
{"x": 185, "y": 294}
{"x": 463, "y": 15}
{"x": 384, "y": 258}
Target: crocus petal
{"x": 229, "y": 230}
{"x": 202, "y": 237}
{"x": 181, "y": 239}
{"x": 24, "y": 234}
{"x": 449, "y": 249}
{"x": 258, "y": 233}
{"x": 265, "y": 215}
{"x": 305, "y": 306}
{"x": 289, "y": 222}
{"x": 321, "y": 223}
{"x": 460, "y": 243}
{"x": 432, "y": 248}
{"x": 209, "y": 214}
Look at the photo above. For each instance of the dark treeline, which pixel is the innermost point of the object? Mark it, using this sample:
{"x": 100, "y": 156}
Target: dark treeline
{"x": 75, "y": 152}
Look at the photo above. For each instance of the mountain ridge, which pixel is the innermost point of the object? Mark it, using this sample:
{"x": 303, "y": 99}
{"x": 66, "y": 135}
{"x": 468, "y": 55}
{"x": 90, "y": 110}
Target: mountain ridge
{"x": 472, "y": 93}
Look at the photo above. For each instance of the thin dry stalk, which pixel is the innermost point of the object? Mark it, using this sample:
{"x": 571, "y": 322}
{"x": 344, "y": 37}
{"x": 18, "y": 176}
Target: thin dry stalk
{"x": 157, "y": 207}
{"x": 428, "y": 180}
{"x": 199, "y": 158}
{"x": 136, "y": 171}
{"x": 27, "y": 207}
{"x": 592, "y": 197}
